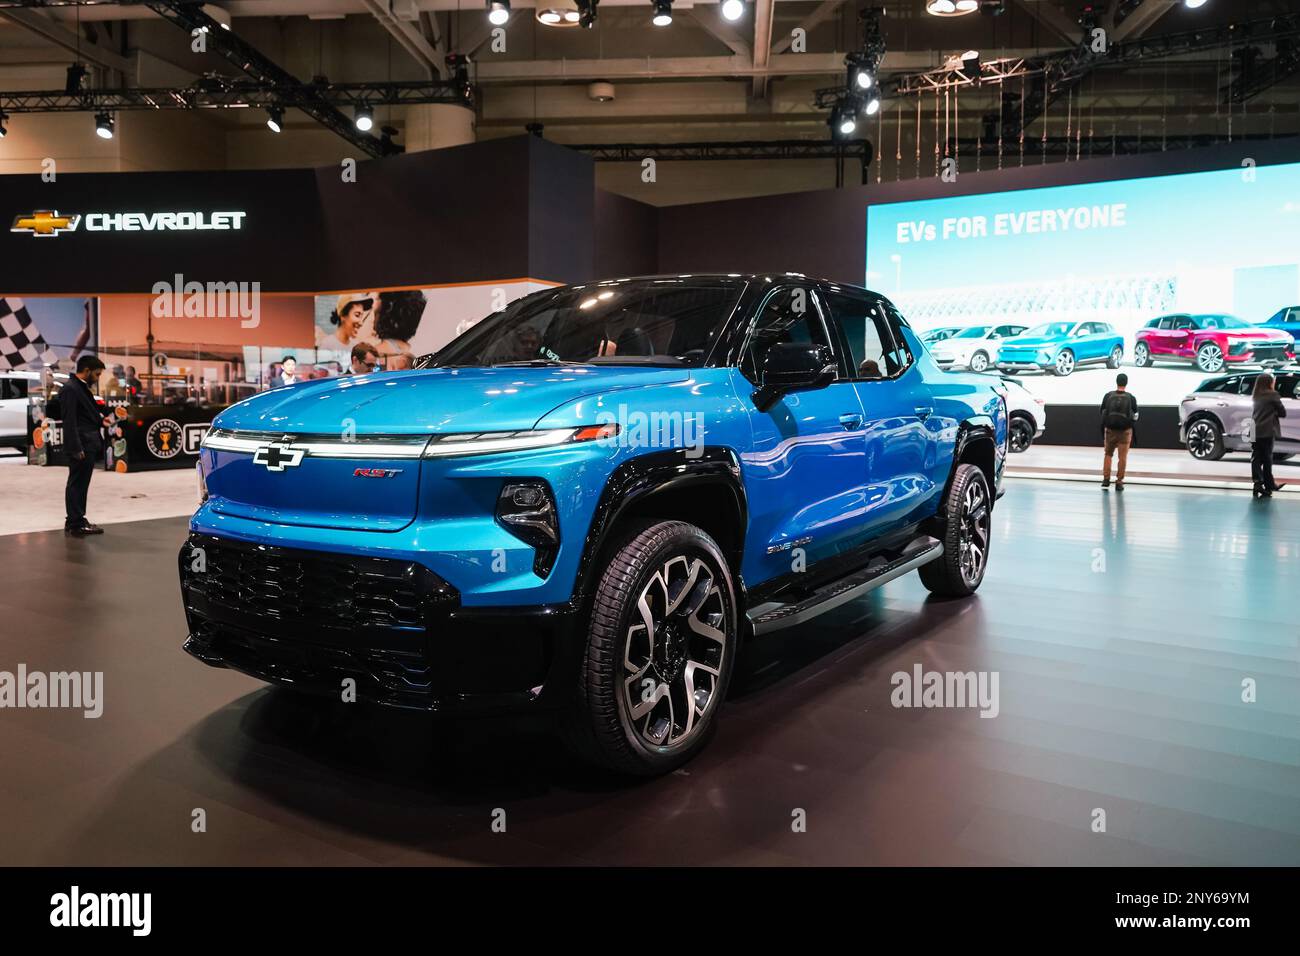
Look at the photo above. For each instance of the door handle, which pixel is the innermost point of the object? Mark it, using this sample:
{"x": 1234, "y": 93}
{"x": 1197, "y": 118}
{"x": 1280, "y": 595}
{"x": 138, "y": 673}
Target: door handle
{"x": 924, "y": 411}
{"x": 851, "y": 421}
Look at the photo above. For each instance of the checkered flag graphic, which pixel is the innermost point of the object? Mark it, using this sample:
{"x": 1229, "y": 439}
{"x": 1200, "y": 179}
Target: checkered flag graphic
{"x": 20, "y": 341}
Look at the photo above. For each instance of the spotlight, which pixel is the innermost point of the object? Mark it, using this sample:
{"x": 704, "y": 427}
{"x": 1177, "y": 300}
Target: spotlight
{"x": 364, "y": 118}
{"x": 970, "y": 64}
{"x": 733, "y": 9}
{"x": 951, "y": 8}
{"x": 663, "y": 13}
{"x": 587, "y": 13}
{"x": 274, "y": 118}
{"x": 862, "y": 78}
{"x": 4, "y": 118}
{"x": 872, "y": 105}
{"x": 498, "y": 12}
{"x": 1193, "y": 4}
{"x": 104, "y": 125}
{"x": 843, "y": 120}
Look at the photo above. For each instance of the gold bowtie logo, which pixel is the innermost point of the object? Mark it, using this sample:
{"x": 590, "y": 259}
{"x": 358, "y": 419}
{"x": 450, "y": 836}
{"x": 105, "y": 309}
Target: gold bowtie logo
{"x": 45, "y": 222}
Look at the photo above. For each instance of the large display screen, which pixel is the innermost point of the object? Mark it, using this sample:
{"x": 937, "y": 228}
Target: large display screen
{"x": 1216, "y": 251}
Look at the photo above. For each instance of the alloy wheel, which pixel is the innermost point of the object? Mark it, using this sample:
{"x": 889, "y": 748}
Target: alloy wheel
{"x": 1141, "y": 354}
{"x": 1200, "y": 439}
{"x": 674, "y": 652}
{"x": 973, "y": 540}
{"x": 1065, "y": 363}
{"x": 1021, "y": 435}
{"x": 1209, "y": 358}
{"x": 979, "y": 362}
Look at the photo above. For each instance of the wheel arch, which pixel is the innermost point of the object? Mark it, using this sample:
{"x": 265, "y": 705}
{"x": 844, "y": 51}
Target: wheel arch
{"x": 705, "y": 490}
{"x": 976, "y": 445}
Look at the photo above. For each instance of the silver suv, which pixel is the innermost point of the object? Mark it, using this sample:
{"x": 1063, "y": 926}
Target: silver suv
{"x": 1216, "y": 418}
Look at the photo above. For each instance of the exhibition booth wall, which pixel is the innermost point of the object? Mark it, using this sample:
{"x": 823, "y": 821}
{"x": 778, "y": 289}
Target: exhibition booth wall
{"x": 431, "y": 242}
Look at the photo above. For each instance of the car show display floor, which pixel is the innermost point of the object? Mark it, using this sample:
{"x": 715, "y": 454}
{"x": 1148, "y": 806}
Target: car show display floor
{"x": 1161, "y": 466}
{"x": 1125, "y": 629}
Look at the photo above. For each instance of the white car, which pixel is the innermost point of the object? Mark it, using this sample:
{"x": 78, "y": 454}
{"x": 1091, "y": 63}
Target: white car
{"x": 14, "y": 387}
{"x": 1026, "y": 414}
{"x": 974, "y": 348}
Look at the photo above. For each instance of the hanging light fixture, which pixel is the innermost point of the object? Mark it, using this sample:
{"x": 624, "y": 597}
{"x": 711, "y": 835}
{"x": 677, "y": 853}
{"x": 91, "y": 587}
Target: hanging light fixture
{"x": 274, "y": 118}
{"x": 663, "y": 13}
{"x": 104, "y": 125}
{"x": 498, "y": 12}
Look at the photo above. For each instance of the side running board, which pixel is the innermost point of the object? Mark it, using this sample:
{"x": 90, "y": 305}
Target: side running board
{"x": 775, "y": 616}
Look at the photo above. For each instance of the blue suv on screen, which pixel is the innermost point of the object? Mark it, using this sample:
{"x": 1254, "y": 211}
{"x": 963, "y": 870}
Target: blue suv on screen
{"x": 1061, "y": 347}
{"x": 588, "y": 502}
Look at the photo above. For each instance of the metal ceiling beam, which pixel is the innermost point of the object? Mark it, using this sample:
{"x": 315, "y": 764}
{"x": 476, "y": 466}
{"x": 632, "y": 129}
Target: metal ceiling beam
{"x": 408, "y": 36}
{"x": 823, "y": 12}
{"x": 207, "y": 94}
{"x": 1050, "y": 15}
{"x": 227, "y": 44}
{"x": 60, "y": 35}
{"x": 720, "y": 30}
{"x": 764, "y": 13}
{"x": 1141, "y": 19}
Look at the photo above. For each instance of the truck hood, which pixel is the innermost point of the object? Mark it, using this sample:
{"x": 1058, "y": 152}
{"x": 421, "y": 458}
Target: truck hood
{"x": 433, "y": 401}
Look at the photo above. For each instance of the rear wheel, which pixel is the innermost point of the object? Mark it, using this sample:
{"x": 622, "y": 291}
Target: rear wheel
{"x": 979, "y": 362}
{"x": 1209, "y": 357}
{"x": 1142, "y": 355}
{"x": 1205, "y": 440}
{"x": 661, "y": 643}
{"x": 967, "y": 518}
{"x": 1021, "y": 434}
{"x": 1064, "y": 364}
{"x": 1116, "y": 356}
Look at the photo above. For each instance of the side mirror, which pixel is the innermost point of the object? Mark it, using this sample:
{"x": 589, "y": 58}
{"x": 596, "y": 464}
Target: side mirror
{"x": 792, "y": 367}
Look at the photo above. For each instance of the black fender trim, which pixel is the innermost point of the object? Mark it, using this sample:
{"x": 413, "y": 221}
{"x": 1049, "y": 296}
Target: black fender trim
{"x": 969, "y": 431}
{"x": 670, "y": 469}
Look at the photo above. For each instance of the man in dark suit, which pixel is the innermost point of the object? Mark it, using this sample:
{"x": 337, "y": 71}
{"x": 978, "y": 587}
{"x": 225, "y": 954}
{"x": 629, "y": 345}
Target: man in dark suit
{"x": 288, "y": 373}
{"x": 83, "y": 441}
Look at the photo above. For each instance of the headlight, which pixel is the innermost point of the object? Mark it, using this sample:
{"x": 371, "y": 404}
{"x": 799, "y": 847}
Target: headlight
{"x": 527, "y": 510}
{"x": 483, "y": 443}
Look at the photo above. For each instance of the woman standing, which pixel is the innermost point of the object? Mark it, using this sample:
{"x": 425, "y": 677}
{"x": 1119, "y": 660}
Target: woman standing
{"x": 1268, "y": 408}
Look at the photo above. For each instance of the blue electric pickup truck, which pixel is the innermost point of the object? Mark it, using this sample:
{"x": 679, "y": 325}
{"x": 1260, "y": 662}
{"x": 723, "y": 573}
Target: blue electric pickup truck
{"x": 589, "y": 502}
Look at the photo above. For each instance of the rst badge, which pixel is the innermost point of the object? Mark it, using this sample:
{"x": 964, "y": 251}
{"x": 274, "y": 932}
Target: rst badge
{"x": 376, "y": 472}
{"x": 278, "y": 457}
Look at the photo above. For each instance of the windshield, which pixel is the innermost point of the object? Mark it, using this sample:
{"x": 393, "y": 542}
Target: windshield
{"x": 978, "y": 332}
{"x": 1221, "y": 322}
{"x": 1051, "y": 329}
{"x": 633, "y": 322}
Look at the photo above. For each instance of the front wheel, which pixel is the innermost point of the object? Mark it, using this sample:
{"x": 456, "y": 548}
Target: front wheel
{"x": 1064, "y": 364}
{"x": 967, "y": 524}
{"x": 1142, "y": 355}
{"x": 1209, "y": 357}
{"x": 1205, "y": 440}
{"x": 1116, "y": 356}
{"x": 979, "y": 362}
{"x": 661, "y": 643}
{"x": 1020, "y": 434}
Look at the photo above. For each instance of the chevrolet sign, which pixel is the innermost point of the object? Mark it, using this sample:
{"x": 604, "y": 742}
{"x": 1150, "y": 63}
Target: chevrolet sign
{"x": 46, "y": 222}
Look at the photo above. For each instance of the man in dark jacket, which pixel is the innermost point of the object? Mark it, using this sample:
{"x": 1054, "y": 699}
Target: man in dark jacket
{"x": 82, "y": 441}
{"x": 1119, "y": 412}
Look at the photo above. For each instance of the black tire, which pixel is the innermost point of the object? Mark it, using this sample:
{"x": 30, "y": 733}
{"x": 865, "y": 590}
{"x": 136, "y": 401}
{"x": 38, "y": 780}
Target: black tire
{"x": 1142, "y": 355}
{"x": 1116, "y": 357}
{"x": 1021, "y": 434}
{"x": 599, "y": 725}
{"x": 1010, "y": 371}
{"x": 948, "y": 576}
{"x": 1205, "y": 440}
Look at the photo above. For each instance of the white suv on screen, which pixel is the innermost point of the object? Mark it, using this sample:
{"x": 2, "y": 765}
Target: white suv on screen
{"x": 974, "y": 348}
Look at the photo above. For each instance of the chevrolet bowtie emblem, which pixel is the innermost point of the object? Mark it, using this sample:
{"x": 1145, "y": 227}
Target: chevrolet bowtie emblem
{"x": 278, "y": 457}
{"x": 45, "y": 222}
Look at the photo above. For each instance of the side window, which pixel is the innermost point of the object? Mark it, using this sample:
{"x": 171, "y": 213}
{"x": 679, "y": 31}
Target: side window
{"x": 866, "y": 332}
{"x": 1166, "y": 323}
{"x": 900, "y": 357}
{"x": 788, "y": 315}
{"x": 1184, "y": 322}
{"x": 1286, "y": 386}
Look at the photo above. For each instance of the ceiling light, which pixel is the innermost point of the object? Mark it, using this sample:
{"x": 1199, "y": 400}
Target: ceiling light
{"x": 951, "y": 8}
{"x": 967, "y": 6}
{"x": 663, "y": 13}
{"x": 733, "y": 9}
{"x": 274, "y": 118}
{"x": 1193, "y": 4}
{"x": 557, "y": 13}
{"x": 364, "y": 118}
{"x": 104, "y": 125}
{"x": 970, "y": 64}
{"x": 498, "y": 12}
{"x": 843, "y": 120}
{"x": 872, "y": 106}
{"x": 862, "y": 78}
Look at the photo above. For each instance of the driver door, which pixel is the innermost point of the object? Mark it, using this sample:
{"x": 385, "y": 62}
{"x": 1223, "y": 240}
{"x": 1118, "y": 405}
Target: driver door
{"x": 805, "y": 469}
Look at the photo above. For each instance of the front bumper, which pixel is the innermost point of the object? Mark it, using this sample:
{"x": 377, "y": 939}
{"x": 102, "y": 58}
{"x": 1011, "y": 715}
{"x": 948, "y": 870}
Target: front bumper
{"x": 1022, "y": 366}
{"x": 311, "y": 619}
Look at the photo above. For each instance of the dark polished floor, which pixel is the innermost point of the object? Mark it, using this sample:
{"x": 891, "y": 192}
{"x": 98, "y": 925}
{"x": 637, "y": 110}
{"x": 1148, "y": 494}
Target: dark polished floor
{"x": 1119, "y": 690}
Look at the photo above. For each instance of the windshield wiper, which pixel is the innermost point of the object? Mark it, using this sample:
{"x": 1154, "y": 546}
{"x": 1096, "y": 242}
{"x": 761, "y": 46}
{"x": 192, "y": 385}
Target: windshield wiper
{"x": 538, "y": 363}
